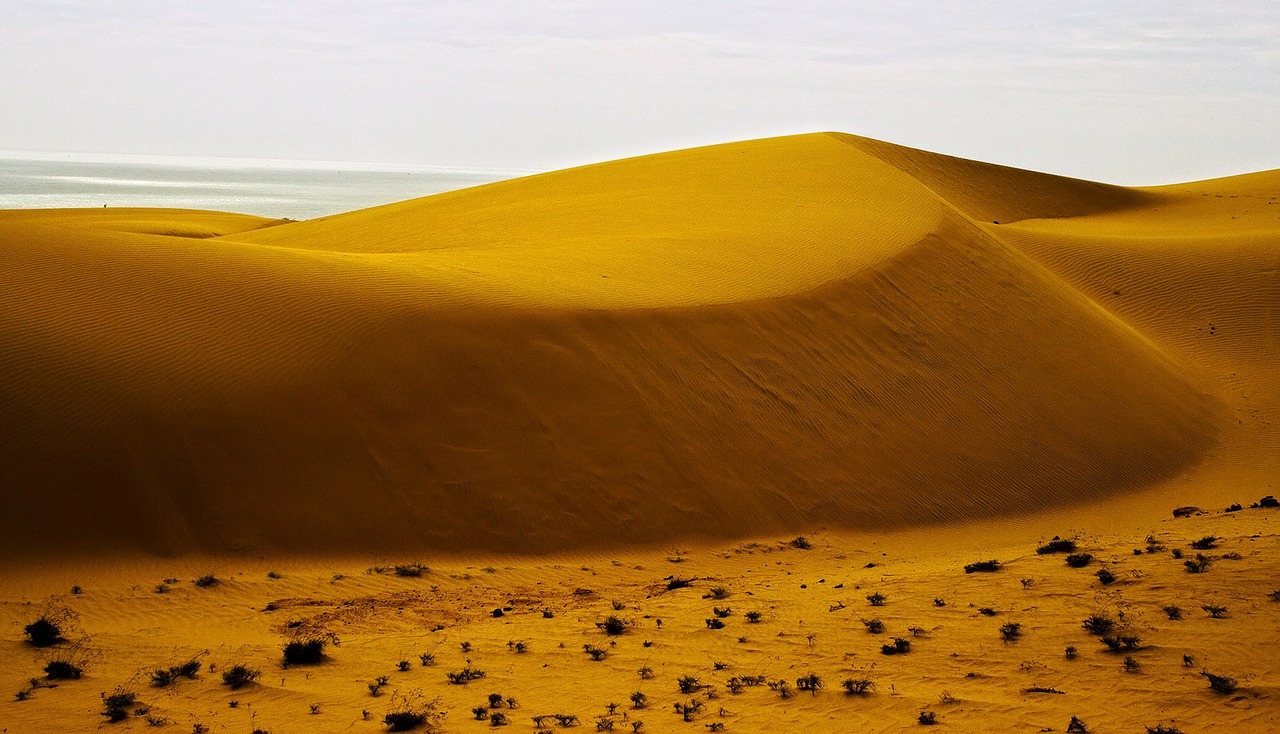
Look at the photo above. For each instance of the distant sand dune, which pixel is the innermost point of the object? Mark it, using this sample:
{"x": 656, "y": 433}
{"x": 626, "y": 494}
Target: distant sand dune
{"x": 720, "y": 342}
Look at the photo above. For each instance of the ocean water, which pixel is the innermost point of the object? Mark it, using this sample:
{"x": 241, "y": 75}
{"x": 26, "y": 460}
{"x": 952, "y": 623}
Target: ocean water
{"x": 292, "y": 189}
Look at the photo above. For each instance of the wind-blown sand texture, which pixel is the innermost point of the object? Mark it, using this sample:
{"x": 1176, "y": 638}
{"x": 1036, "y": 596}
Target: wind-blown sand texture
{"x": 706, "y": 349}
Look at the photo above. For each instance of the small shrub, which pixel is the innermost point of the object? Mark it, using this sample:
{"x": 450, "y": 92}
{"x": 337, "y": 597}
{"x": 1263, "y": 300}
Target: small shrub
{"x": 689, "y": 710}
{"x": 1162, "y": 729}
{"x": 927, "y": 718}
{"x": 1205, "y": 543}
{"x": 754, "y": 617}
{"x": 1105, "y": 576}
{"x": 464, "y": 676}
{"x": 678, "y": 583}
{"x": 206, "y": 581}
{"x": 983, "y": 566}
{"x": 688, "y": 684}
{"x": 480, "y": 712}
{"x": 1077, "y": 726}
{"x": 1070, "y": 653}
{"x": 639, "y": 700}
{"x": 1131, "y": 664}
{"x": 987, "y": 611}
{"x": 427, "y": 658}
{"x": 1116, "y": 643}
{"x": 1079, "y": 560}
{"x": 238, "y": 676}
{"x": 1057, "y": 545}
{"x": 1199, "y": 564}
{"x": 645, "y": 673}
{"x": 48, "y": 629}
{"x": 722, "y": 612}
{"x": 62, "y": 670}
{"x": 877, "y": 599}
{"x": 1098, "y": 624}
{"x": 1221, "y": 683}
{"x": 717, "y": 592}
{"x": 596, "y": 653}
{"x": 163, "y": 677}
{"x": 939, "y": 602}
{"x": 811, "y": 683}
{"x": 498, "y": 718}
{"x": 800, "y": 542}
{"x": 858, "y": 686}
{"x": 1011, "y": 631}
{"x": 1215, "y": 611}
{"x": 116, "y": 706}
{"x": 306, "y": 650}
{"x": 612, "y": 625}
{"x": 874, "y": 626}
{"x": 1173, "y": 612}
{"x": 782, "y": 687}
{"x": 899, "y": 646}
{"x": 715, "y": 624}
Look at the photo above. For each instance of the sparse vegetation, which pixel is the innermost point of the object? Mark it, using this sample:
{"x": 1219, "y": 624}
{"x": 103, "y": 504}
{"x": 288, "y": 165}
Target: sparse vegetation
{"x": 163, "y": 677}
{"x": 1214, "y": 610}
{"x": 678, "y": 583}
{"x": 858, "y": 686}
{"x": 715, "y": 624}
{"x": 612, "y": 625}
{"x": 596, "y": 653}
{"x": 116, "y": 706}
{"x": 1079, "y": 560}
{"x": 1098, "y": 624}
{"x": 206, "y": 581}
{"x": 754, "y": 617}
{"x": 238, "y": 676}
{"x": 1057, "y": 545}
{"x": 811, "y": 683}
{"x": 306, "y": 647}
{"x": 983, "y": 566}
{"x": 1077, "y": 726}
{"x": 1116, "y": 643}
{"x": 1105, "y": 576}
{"x": 800, "y": 542}
{"x": 1199, "y": 564}
{"x": 1010, "y": 631}
{"x": 464, "y": 676}
{"x": 411, "y": 711}
{"x": 899, "y": 646}
{"x": 50, "y": 627}
{"x": 927, "y": 718}
{"x": 1172, "y": 612}
{"x": 1221, "y": 683}
{"x": 876, "y": 599}
{"x": 1205, "y": 543}
{"x": 874, "y": 626}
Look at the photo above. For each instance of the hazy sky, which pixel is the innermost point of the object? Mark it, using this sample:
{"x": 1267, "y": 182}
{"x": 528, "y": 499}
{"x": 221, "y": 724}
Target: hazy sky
{"x": 1129, "y": 92}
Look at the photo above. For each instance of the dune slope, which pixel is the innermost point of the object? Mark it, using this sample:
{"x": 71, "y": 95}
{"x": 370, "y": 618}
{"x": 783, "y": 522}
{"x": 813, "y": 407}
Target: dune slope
{"x": 726, "y": 341}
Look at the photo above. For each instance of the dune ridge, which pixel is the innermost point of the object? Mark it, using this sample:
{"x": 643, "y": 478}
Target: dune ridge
{"x": 720, "y": 342}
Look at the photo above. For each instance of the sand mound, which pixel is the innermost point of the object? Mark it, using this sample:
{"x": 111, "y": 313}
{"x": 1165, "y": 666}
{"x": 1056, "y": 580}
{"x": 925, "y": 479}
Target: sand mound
{"x": 725, "y": 341}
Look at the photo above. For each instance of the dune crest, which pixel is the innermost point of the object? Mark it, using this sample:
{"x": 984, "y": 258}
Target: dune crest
{"x": 720, "y": 342}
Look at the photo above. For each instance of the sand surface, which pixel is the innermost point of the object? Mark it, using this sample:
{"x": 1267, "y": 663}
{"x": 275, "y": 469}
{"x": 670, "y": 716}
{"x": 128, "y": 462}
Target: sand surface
{"x": 575, "y": 377}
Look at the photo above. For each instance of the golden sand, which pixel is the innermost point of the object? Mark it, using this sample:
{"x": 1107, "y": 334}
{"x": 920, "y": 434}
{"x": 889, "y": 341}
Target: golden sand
{"x": 569, "y": 376}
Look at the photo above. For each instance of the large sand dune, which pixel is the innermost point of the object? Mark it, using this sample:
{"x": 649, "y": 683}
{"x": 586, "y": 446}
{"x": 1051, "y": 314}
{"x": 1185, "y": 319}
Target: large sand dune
{"x": 721, "y": 342}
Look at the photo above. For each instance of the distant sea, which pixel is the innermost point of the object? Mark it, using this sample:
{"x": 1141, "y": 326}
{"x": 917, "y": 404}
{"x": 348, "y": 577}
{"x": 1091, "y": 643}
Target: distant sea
{"x": 269, "y": 188}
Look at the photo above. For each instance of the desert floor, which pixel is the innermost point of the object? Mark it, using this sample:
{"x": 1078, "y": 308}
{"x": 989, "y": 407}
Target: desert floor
{"x": 132, "y": 619}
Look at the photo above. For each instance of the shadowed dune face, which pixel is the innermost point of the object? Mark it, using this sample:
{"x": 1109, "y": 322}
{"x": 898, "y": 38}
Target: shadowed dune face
{"x": 720, "y": 342}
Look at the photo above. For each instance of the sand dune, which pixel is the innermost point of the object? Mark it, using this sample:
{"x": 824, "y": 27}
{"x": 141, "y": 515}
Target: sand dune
{"x": 716, "y": 343}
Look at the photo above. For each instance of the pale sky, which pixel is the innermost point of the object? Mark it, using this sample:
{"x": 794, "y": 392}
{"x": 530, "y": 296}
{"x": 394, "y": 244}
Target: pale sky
{"x": 1120, "y": 91}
